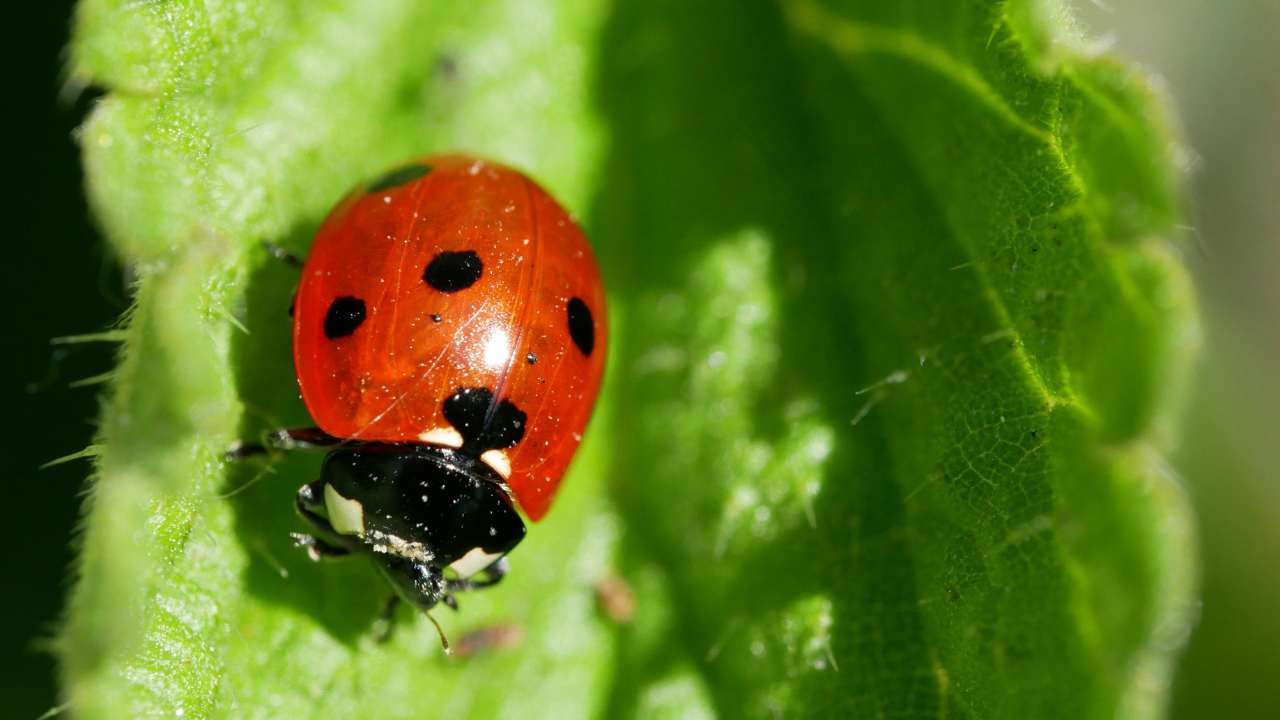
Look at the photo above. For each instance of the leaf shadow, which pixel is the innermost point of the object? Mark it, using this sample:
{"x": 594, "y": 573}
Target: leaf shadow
{"x": 261, "y": 490}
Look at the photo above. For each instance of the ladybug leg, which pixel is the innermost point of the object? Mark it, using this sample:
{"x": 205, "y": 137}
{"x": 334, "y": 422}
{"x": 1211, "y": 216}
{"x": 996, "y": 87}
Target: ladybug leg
{"x": 420, "y": 584}
{"x": 325, "y": 543}
{"x": 493, "y": 574}
{"x": 283, "y": 440}
{"x": 488, "y": 577}
{"x": 309, "y": 502}
{"x": 239, "y": 450}
{"x": 316, "y": 548}
{"x": 307, "y": 438}
{"x": 278, "y": 252}
{"x": 385, "y": 623}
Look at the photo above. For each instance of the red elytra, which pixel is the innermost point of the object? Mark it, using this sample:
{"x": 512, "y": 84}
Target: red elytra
{"x": 450, "y": 273}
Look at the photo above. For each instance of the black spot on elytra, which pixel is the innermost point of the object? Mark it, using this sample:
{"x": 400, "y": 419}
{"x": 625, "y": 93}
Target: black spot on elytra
{"x": 435, "y": 317}
{"x": 344, "y": 316}
{"x": 467, "y": 410}
{"x": 581, "y": 327}
{"x": 531, "y": 359}
{"x": 450, "y": 272}
{"x": 399, "y": 176}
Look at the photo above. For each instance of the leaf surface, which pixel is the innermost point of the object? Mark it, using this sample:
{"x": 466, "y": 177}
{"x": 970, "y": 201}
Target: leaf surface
{"x": 897, "y": 350}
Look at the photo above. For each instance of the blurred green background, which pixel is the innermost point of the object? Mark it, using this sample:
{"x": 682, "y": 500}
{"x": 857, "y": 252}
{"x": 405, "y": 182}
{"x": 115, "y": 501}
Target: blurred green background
{"x": 1219, "y": 61}
{"x": 58, "y": 281}
{"x": 1221, "y": 64}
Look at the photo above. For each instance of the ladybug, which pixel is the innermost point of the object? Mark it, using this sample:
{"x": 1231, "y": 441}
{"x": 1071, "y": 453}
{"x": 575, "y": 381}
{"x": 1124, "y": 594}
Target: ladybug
{"x": 449, "y": 340}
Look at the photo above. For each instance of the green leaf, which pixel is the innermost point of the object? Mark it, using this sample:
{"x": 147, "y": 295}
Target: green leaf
{"x": 898, "y": 348}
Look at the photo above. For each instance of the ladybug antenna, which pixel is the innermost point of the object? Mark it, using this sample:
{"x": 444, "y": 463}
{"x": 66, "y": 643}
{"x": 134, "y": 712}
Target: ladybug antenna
{"x": 444, "y": 641}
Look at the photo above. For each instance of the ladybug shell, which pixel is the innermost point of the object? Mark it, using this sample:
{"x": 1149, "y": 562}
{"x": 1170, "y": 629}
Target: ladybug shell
{"x": 453, "y": 302}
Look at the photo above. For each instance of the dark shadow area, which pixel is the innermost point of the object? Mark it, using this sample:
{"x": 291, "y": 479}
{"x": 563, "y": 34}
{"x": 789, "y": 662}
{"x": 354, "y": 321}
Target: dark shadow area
{"x": 693, "y": 160}
{"x": 58, "y": 280}
{"x": 262, "y": 490}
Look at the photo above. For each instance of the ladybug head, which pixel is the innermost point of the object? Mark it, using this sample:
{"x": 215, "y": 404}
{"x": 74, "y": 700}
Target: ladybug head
{"x": 429, "y": 517}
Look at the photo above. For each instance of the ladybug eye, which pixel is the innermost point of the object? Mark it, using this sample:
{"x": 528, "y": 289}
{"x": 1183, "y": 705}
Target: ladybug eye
{"x": 344, "y": 316}
{"x": 450, "y": 272}
{"x": 581, "y": 327}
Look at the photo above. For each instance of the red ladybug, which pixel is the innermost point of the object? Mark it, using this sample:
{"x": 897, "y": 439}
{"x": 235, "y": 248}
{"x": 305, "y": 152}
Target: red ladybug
{"x": 449, "y": 339}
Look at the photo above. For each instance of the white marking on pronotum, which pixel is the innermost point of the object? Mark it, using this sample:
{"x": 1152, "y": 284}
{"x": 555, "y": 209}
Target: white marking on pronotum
{"x": 473, "y": 562}
{"x": 498, "y": 460}
{"x": 444, "y": 436}
{"x": 346, "y": 516}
